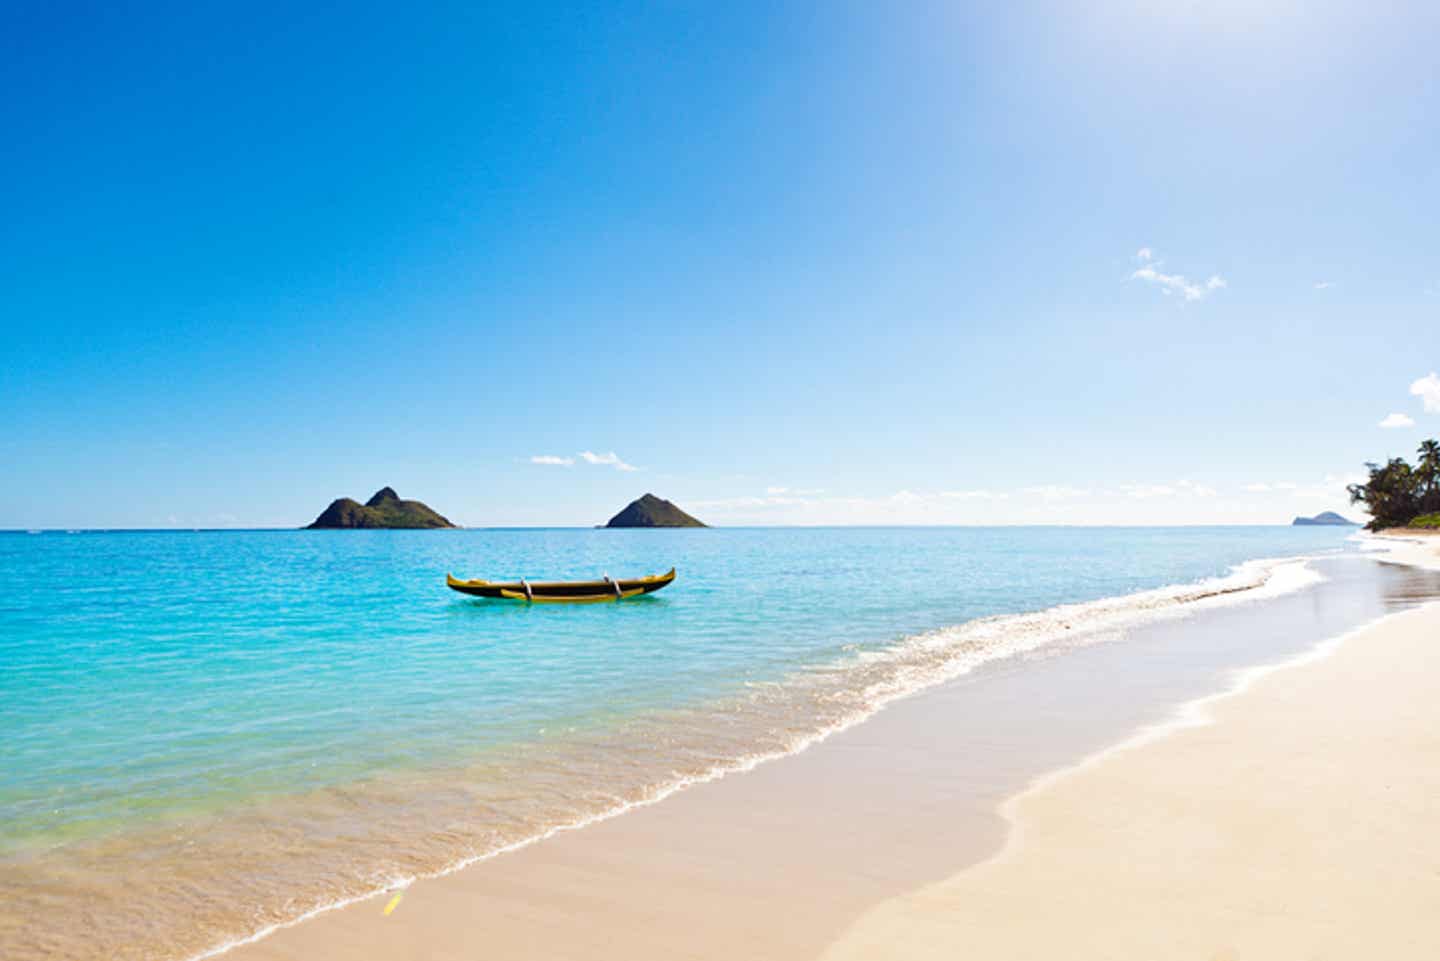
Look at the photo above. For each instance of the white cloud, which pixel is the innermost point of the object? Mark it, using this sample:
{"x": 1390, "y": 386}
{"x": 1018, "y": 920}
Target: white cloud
{"x": 1149, "y": 272}
{"x": 797, "y": 491}
{"x": 1187, "y": 488}
{"x": 1055, "y": 492}
{"x": 611, "y": 459}
{"x": 1428, "y": 390}
{"x": 744, "y": 503}
{"x": 1146, "y": 491}
{"x": 590, "y": 457}
{"x": 1332, "y": 487}
{"x": 1324, "y": 285}
{"x": 1196, "y": 490}
{"x": 1267, "y": 487}
{"x": 1176, "y": 501}
{"x": 1397, "y": 420}
{"x": 983, "y": 495}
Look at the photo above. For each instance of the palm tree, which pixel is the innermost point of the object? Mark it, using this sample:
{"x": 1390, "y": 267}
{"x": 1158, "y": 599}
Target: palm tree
{"x": 1427, "y": 473}
{"x": 1390, "y": 495}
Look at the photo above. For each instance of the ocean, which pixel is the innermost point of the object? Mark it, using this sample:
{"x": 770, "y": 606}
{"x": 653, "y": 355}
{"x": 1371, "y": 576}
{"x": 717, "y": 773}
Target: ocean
{"x": 207, "y": 734}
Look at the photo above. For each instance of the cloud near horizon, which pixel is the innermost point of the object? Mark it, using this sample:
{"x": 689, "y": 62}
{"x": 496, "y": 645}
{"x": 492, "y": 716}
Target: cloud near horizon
{"x": 1173, "y": 283}
{"x": 1173, "y": 501}
{"x": 1397, "y": 420}
{"x": 1180, "y": 488}
{"x": 552, "y": 460}
{"x": 1427, "y": 388}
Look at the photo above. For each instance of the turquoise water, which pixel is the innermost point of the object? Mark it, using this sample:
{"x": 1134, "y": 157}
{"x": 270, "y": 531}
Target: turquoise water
{"x": 287, "y": 698}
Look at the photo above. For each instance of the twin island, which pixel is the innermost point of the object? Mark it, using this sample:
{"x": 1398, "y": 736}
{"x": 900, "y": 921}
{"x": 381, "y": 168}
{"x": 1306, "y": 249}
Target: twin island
{"x": 386, "y": 510}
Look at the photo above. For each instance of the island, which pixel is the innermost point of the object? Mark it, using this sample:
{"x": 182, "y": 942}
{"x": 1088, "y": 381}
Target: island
{"x": 652, "y": 511}
{"x": 1324, "y": 519}
{"x": 384, "y": 510}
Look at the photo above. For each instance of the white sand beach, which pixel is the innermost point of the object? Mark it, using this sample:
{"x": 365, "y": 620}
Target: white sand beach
{"x": 1295, "y": 819}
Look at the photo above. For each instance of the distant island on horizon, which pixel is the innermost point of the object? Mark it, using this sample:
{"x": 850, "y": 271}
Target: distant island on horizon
{"x": 385, "y": 510}
{"x": 652, "y": 511}
{"x": 1324, "y": 519}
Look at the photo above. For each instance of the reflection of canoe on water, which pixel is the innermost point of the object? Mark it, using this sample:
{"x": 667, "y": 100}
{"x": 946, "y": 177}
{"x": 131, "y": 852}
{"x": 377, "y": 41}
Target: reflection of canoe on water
{"x": 608, "y": 589}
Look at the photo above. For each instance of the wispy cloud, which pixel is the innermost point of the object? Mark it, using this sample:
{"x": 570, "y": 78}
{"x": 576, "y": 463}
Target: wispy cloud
{"x": 795, "y": 491}
{"x": 1145, "y": 502}
{"x": 975, "y": 495}
{"x": 1428, "y": 390}
{"x": 1271, "y": 487}
{"x": 1146, "y": 491}
{"x": 1190, "y": 291}
{"x": 1185, "y": 488}
{"x": 590, "y": 457}
{"x": 1055, "y": 492}
{"x": 610, "y": 460}
{"x": 749, "y": 502}
{"x": 1397, "y": 420}
{"x": 1331, "y": 488}
{"x": 1324, "y": 285}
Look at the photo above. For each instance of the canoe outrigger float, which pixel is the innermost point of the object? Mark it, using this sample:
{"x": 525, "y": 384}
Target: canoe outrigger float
{"x": 571, "y": 592}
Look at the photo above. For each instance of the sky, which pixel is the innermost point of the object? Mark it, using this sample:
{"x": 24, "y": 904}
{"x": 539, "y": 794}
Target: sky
{"x": 782, "y": 263}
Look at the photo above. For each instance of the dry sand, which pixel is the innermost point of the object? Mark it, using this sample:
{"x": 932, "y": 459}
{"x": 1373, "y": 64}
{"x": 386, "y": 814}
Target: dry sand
{"x": 1299, "y": 820}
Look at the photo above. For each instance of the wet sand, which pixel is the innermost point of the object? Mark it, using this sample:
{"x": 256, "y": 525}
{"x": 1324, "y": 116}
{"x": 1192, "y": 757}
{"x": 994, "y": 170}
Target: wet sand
{"x": 1294, "y": 819}
{"x": 779, "y": 862}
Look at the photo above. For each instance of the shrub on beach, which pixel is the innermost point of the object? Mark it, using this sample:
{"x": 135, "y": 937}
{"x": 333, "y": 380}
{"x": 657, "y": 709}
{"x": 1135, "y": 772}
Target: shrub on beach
{"x": 1428, "y": 521}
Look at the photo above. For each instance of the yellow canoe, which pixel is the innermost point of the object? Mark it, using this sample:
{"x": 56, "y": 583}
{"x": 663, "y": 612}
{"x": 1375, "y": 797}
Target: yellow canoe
{"x": 609, "y": 589}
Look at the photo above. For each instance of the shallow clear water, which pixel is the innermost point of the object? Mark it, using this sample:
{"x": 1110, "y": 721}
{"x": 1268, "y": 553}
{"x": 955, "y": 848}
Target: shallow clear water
{"x": 317, "y": 715}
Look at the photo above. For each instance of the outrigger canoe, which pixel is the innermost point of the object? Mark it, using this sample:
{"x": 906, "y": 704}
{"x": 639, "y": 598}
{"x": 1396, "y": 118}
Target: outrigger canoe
{"x": 571, "y": 592}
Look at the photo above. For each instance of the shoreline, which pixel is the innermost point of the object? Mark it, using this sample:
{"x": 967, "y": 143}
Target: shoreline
{"x": 633, "y": 838}
{"x": 215, "y": 876}
{"x": 1249, "y": 582}
{"x": 1158, "y": 887}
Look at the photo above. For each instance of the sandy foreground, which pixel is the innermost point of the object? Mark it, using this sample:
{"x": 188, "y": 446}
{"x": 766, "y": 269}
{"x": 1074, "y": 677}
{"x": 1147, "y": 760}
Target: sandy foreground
{"x": 1294, "y": 818}
{"x": 1300, "y": 824}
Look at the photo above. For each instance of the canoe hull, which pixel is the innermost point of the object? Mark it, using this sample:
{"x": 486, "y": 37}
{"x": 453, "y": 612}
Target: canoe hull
{"x": 561, "y": 591}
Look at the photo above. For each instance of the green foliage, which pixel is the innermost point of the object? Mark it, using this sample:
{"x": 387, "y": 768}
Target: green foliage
{"x": 1427, "y": 521}
{"x": 1398, "y": 494}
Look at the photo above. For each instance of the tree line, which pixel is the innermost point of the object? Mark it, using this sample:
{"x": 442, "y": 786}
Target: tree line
{"x": 1398, "y": 495}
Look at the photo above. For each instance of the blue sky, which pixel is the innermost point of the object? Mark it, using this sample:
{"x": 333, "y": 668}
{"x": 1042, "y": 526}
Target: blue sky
{"x": 794, "y": 263}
